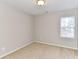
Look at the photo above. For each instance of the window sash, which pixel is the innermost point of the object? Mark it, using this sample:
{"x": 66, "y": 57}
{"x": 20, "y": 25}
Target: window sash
{"x": 67, "y": 27}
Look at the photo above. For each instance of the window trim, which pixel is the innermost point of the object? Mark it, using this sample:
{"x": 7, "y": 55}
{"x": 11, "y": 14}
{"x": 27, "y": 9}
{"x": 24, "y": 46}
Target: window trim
{"x": 74, "y": 27}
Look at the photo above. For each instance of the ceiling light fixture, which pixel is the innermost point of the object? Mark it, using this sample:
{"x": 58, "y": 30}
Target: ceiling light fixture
{"x": 40, "y": 2}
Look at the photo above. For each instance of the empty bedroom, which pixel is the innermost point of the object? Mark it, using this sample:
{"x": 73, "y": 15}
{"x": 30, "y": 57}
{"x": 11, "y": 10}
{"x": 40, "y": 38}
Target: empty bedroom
{"x": 38, "y": 29}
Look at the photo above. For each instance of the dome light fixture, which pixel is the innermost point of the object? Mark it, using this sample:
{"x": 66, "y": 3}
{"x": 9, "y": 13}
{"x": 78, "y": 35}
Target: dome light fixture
{"x": 40, "y": 2}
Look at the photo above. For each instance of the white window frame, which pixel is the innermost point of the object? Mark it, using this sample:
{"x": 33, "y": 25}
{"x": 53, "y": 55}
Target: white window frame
{"x": 66, "y": 34}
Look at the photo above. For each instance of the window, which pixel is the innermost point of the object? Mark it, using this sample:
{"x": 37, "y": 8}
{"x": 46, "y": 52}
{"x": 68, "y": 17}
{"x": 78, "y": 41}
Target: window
{"x": 67, "y": 27}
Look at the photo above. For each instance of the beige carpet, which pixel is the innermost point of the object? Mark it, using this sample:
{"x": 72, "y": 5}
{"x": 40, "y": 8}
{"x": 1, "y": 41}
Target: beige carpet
{"x": 43, "y": 51}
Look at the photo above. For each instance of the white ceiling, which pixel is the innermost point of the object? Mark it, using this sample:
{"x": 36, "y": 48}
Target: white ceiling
{"x": 51, "y": 6}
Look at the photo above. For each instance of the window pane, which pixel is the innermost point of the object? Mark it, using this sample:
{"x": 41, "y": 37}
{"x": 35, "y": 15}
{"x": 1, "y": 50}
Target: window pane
{"x": 67, "y": 27}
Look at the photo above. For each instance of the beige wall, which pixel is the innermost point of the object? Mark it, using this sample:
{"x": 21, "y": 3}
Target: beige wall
{"x": 47, "y": 29}
{"x": 16, "y": 29}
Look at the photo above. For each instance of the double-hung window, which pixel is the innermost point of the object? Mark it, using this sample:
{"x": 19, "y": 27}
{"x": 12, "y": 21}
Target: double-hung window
{"x": 67, "y": 27}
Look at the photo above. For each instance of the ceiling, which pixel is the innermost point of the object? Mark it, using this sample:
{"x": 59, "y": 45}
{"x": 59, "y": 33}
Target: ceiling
{"x": 51, "y": 6}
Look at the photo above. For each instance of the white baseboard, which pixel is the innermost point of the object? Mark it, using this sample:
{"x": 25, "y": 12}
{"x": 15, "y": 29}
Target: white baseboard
{"x": 16, "y": 49}
{"x": 57, "y": 45}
